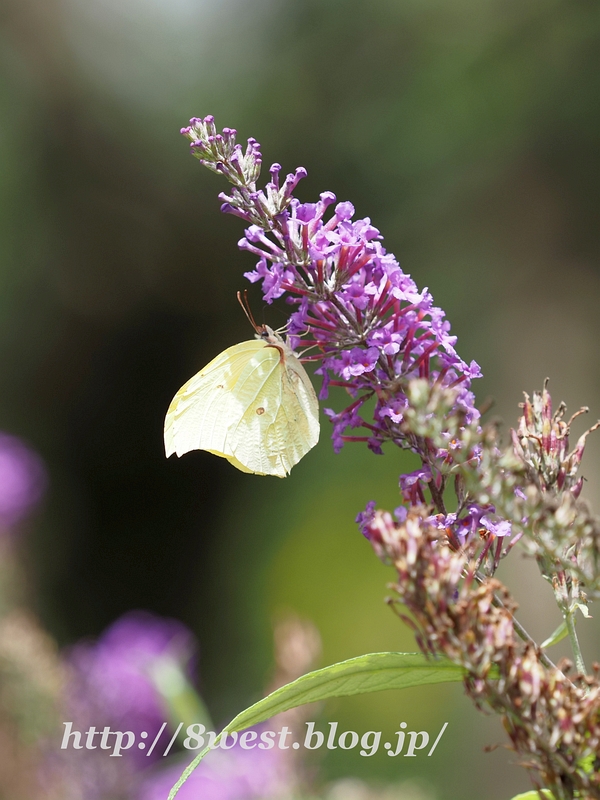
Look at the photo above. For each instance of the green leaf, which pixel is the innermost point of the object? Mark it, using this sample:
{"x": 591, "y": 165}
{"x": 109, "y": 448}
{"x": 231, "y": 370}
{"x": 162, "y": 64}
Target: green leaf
{"x": 562, "y": 629}
{"x": 558, "y": 635}
{"x": 373, "y": 672}
{"x": 587, "y": 763}
{"x": 584, "y": 609}
{"x": 534, "y": 795}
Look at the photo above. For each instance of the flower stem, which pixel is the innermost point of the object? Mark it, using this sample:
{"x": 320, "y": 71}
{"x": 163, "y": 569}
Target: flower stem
{"x": 520, "y": 630}
{"x": 522, "y": 633}
{"x": 575, "y": 647}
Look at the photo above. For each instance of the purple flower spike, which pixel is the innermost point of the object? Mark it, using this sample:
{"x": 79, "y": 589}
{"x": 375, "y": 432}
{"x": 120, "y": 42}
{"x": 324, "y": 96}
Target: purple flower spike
{"x": 374, "y": 332}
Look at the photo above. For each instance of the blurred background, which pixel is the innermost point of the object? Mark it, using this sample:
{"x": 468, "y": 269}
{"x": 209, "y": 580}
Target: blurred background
{"x": 468, "y": 131}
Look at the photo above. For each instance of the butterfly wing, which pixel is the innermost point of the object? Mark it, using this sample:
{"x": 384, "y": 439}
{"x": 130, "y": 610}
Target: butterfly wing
{"x": 281, "y": 421}
{"x": 253, "y": 404}
{"x": 204, "y": 408}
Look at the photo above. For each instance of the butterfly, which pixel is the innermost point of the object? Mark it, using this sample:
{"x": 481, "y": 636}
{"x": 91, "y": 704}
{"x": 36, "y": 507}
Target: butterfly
{"x": 253, "y": 404}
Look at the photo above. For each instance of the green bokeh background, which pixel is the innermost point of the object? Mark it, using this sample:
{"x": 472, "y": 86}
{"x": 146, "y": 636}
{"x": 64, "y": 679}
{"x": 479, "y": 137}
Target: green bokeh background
{"x": 469, "y": 131}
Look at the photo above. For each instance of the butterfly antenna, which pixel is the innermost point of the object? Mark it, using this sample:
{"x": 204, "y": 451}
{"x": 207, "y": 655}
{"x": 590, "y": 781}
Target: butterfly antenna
{"x": 243, "y": 301}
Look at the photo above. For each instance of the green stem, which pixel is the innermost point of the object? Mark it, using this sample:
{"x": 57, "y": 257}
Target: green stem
{"x": 519, "y": 629}
{"x": 570, "y": 623}
{"x": 522, "y": 633}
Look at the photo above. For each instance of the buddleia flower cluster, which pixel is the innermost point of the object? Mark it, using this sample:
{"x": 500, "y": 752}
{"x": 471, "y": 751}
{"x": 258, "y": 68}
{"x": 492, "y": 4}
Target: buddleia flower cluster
{"x": 373, "y": 329}
{"x": 472, "y": 499}
{"x": 553, "y": 722}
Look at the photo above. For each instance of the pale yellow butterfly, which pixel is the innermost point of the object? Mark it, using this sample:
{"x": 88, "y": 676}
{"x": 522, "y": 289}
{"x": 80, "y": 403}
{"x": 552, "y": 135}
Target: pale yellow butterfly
{"x": 253, "y": 404}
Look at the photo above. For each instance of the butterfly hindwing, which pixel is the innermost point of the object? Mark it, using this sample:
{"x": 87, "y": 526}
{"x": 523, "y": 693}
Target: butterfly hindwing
{"x": 204, "y": 407}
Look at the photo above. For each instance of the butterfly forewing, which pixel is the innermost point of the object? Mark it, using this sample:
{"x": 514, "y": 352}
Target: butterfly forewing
{"x": 282, "y": 423}
{"x": 253, "y": 437}
{"x": 259, "y": 393}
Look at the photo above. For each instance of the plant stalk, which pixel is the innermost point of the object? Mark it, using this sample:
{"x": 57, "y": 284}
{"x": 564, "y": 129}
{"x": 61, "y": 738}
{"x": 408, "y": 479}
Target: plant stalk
{"x": 575, "y": 646}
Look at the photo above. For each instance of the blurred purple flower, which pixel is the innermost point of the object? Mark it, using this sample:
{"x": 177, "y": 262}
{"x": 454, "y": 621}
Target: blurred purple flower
{"x": 22, "y": 479}
{"x": 234, "y": 775}
{"x": 111, "y": 679}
